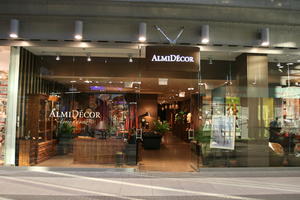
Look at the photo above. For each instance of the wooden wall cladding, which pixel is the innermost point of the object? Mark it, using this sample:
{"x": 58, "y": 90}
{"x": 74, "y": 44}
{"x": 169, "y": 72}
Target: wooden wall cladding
{"x": 95, "y": 151}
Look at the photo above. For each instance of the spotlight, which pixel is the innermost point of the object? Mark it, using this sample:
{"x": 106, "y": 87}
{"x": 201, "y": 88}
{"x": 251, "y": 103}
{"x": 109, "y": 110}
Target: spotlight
{"x": 205, "y": 34}
{"x": 57, "y": 57}
{"x": 142, "y": 32}
{"x": 14, "y": 28}
{"x": 78, "y": 30}
{"x": 89, "y": 59}
{"x": 265, "y": 37}
{"x": 279, "y": 65}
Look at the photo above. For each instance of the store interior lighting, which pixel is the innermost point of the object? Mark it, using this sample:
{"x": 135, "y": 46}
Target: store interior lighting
{"x": 205, "y": 34}
{"x": 57, "y": 57}
{"x": 130, "y": 59}
{"x": 78, "y": 30}
{"x": 265, "y": 36}
{"x": 142, "y": 32}
{"x": 89, "y": 59}
{"x": 14, "y": 28}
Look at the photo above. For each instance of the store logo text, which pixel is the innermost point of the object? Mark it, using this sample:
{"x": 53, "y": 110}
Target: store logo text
{"x": 74, "y": 114}
{"x": 172, "y": 58}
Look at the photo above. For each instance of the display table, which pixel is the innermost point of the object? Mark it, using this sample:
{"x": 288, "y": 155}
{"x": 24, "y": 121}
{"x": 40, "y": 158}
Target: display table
{"x": 90, "y": 150}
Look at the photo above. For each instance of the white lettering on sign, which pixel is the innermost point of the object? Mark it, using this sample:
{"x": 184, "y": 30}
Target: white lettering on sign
{"x": 172, "y": 58}
{"x": 75, "y": 114}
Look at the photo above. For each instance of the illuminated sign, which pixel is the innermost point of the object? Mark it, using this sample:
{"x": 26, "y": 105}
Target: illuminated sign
{"x": 172, "y": 58}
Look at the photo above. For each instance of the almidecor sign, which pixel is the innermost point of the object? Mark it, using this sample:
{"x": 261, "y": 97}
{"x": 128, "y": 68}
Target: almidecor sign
{"x": 172, "y": 58}
{"x": 74, "y": 114}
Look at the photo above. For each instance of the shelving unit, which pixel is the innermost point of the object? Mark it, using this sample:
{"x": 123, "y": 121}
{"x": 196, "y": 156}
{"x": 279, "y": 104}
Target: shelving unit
{"x": 40, "y": 129}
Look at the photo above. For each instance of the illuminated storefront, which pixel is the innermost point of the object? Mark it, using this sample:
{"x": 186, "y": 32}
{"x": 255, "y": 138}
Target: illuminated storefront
{"x": 151, "y": 92}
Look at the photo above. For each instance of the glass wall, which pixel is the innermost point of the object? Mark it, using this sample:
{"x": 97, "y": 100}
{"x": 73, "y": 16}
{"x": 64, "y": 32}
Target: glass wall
{"x": 168, "y": 109}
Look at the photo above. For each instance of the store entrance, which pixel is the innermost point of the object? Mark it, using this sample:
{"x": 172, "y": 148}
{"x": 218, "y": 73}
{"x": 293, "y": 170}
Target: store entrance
{"x": 80, "y": 108}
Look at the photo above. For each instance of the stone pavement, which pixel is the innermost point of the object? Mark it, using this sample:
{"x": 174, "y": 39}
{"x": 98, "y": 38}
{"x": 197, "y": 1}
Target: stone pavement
{"x": 24, "y": 183}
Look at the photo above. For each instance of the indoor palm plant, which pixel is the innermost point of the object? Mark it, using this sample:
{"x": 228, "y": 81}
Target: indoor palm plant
{"x": 161, "y": 127}
{"x": 65, "y": 135}
{"x": 203, "y": 139}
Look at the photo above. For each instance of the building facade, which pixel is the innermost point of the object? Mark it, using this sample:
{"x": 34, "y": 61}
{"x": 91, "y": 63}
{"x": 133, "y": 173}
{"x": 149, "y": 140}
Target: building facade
{"x": 137, "y": 83}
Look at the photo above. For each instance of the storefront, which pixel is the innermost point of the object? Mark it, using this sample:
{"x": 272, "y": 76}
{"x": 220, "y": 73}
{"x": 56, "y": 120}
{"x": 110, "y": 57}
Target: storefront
{"x": 157, "y": 104}
{"x": 167, "y": 86}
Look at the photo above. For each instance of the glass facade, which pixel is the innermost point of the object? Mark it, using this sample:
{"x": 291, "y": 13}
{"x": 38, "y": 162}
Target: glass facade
{"x": 171, "y": 108}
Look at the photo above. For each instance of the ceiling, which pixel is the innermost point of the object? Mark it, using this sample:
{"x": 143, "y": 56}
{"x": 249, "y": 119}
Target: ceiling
{"x": 123, "y": 52}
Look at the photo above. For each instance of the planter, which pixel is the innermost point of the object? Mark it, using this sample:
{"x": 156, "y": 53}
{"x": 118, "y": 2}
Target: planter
{"x": 151, "y": 141}
{"x": 65, "y": 146}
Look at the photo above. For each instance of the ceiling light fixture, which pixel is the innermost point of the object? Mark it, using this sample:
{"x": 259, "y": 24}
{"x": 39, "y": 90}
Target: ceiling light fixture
{"x": 205, "y": 34}
{"x": 78, "y": 30}
{"x": 181, "y": 94}
{"x": 265, "y": 37}
{"x": 57, "y": 57}
{"x": 89, "y": 59}
{"x": 162, "y": 81}
{"x": 130, "y": 59}
{"x": 14, "y": 28}
{"x": 142, "y": 32}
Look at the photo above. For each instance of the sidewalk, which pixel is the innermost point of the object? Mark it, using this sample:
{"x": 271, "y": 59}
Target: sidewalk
{"x": 208, "y": 184}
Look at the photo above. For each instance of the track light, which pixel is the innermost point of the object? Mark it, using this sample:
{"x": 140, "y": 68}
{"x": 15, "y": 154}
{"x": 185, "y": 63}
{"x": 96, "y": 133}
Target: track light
{"x": 88, "y": 59}
{"x": 14, "y": 28}
{"x": 265, "y": 37}
{"x": 205, "y": 34}
{"x": 78, "y": 30}
{"x": 142, "y": 32}
{"x": 57, "y": 57}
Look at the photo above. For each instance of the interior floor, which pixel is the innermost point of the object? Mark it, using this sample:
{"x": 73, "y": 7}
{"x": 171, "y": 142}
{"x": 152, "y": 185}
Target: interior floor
{"x": 67, "y": 161}
{"x": 173, "y": 156}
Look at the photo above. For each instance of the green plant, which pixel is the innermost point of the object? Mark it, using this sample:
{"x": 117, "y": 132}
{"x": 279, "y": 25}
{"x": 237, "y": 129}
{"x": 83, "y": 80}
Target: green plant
{"x": 161, "y": 127}
{"x": 202, "y": 136}
{"x": 66, "y": 130}
{"x": 179, "y": 117}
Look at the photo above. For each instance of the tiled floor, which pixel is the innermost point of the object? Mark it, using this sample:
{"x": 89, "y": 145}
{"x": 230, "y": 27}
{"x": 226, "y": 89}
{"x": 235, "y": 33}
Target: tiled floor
{"x": 174, "y": 156}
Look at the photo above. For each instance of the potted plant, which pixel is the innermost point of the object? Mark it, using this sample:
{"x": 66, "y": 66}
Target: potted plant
{"x": 161, "y": 127}
{"x": 202, "y": 139}
{"x": 65, "y": 135}
{"x": 152, "y": 140}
